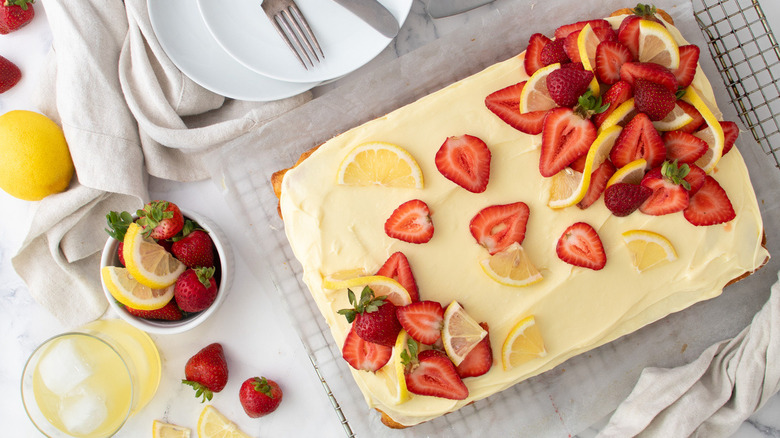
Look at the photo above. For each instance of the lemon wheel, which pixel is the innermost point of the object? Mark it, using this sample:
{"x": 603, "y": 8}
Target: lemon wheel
{"x": 631, "y": 173}
{"x": 382, "y": 164}
{"x": 657, "y": 45}
{"x": 523, "y": 343}
{"x": 535, "y": 95}
{"x": 622, "y": 114}
{"x": 149, "y": 263}
{"x": 128, "y": 291}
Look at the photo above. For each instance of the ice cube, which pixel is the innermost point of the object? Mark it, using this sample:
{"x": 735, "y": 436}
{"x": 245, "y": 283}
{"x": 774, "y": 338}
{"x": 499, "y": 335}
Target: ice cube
{"x": 63, "y": 367}
{"x": 83, "y": 410}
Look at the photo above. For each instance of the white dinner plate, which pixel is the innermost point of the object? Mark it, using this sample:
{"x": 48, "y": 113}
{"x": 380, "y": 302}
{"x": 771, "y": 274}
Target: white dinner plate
{"x": 187, "y": 41}
{"x": 244, "y": 31}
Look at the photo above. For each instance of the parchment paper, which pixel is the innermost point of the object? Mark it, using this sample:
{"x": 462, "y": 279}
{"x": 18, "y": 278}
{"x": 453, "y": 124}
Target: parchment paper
{"x": 582, "y": 390}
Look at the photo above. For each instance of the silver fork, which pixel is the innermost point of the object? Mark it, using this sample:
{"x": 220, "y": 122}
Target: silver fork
{"x": 294, "y": 30}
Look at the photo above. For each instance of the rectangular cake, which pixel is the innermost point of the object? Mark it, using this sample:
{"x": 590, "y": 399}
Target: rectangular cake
{"x": 513, "y": 248}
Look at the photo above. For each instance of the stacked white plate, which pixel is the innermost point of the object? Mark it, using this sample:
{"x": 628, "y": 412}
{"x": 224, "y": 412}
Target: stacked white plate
{"x": 233, "y": 50}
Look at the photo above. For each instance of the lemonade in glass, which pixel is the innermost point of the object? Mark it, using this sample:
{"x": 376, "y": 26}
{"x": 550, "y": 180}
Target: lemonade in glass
{"x": 87, "y": 383}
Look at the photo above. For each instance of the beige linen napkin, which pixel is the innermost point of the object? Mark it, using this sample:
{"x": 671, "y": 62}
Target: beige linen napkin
{"x": 127, "y": 112}
{"x": 711, "y": 396}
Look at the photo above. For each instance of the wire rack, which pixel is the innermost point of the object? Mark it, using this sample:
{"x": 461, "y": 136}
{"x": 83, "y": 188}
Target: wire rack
{"x": 747, "y": 56}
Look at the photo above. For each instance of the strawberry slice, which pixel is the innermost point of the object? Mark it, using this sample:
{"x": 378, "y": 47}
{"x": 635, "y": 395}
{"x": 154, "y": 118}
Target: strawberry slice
{"x": 422, "y": 320}
{"x": 653, "y": 99}
{"x": 465, "y": 160}
{"x": 363, "y": 355}
{"x": 631, "y": 71}
{"x": 669, "y": 188}
{"x": 410, "y": 222}
{"x": 580, "y": 245}
{"x": 505, "y": 103}
{"x": 498, "y": 226}
{"x": 610, "y": 56}
{"x": 554, "y": 52}
{"x": 566, "y": 85}
{"x": 579, "y": 164}
{"x": 710, "y": 205}
{"x": 598, "y": 181}
{"x": 623, "y": 199}
{"x": 639, "y": 139}
{"x": 479, "y": 360}
{"x": 684, "y": 147}
{"x": 628, "y": 34}
{"x": 435, "y": 375}
{"x": 689, "y": 59}
{"x": 697, "y": 121}
{"x": 397, "y": 267}
{"x": 695, "y": 178}
{"x": 566, "y": 29}
{"x": 169, "y": 312}
{"x": 533, "y": 54}
{"x": 618, "y": 93}
{"x": 730, "y": 133}
{"x": 566, "y": 136}
{"x": 571, "y": 48}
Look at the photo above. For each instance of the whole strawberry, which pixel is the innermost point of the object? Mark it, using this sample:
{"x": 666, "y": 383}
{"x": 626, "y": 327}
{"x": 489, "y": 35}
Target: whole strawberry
{"x": 9, "y": 74}
{"x": 373, "y": 318}
{"x": 15, "y": 14}
{"x": 259, "y": 396}
{"x": 207, "y": 371}
{"x": 169, "y": 312}
{"x": 653, "y": 99}
{"x": 195, "y": 289}
{"x": 160, "y": 219}
{"x": 195, "y": 248}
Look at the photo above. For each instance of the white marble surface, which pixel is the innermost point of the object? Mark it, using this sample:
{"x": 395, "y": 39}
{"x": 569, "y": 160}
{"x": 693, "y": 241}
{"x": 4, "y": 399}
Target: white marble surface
{"x": 248, "y": 311}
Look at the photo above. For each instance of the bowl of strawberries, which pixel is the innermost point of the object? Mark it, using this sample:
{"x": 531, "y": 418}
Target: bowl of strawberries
{"x": 164, "y": 270}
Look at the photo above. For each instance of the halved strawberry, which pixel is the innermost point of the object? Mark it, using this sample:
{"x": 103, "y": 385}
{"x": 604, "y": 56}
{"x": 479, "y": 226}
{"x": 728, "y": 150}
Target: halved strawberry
{"x": 628, "y": 34}
{"x": 710, "y": 205}
{"x": 639, "y": 139}
{"x": 697, "y": 121}
{"x": 618, "y": 93}
{"x": 610, "y": 56}
{"x": 689, "y": 59}
{"x": 571, "y": 48}
{"x": 631, "y": 71}
{"x": 465, "y": 160}
{"x": 498, "y": 226}
{"x": 410, "y": 222}
{"x": 669, "y": 188}
{"x": 695, "y": 178}
{"x": 566, "y": 29}
{"x": 623, "y": 199}
{"x": 684, "y": 147}
{"x": 730, "y": 133}
{"x": 422, "y": 320}
{"x": 505, "y": 103}
{"x": 363, "y": 355}
{"x": 553, "y": 52}
{"x": 566, "y": 136}
{"x": 533, "y": 54}
{"x": 397, "y": 267}
{"x": 580, "y": 245}
{"x": 653, "y": 99}
{"x": 435, "y": 375}
{"x": 598, "y": 181}
{"x": 479, "y": 360}
{"x": 566, "y": 85}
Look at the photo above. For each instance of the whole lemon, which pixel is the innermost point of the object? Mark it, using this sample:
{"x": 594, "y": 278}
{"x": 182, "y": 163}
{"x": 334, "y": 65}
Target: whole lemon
{"x": 34, "y": 157}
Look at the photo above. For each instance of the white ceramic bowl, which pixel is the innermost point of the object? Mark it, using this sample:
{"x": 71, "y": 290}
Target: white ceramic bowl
{"x": 224, "y": 272}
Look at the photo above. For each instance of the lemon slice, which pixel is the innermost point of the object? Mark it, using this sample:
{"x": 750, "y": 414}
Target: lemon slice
{"x": 569, "y": 186}
{"x": 620, "y": 116}
{"x": 382, "y": 286}
{"x": 535, "y": 95}
{"x": 648, "y": 249}
{"x": 149, "y": 263}
{"x": 402, "y": 393}
{"x": 212, "y": 424}
{"x": 460, "y": 333}
{"x": 676, "y": 119}
{"x": 382, "y": 164}
{"x": 712, "y": 134}
{"x": 511, "y": 267}
{"x": 523, "y": 343}
{"x": 657, "y": 45}
{"x": 631, "y": 173}
{"x": 166, "y": 430}
{"x": 345, "y": 274}
{"x": 125, "y": 289}
{"x": 587, "y": 42}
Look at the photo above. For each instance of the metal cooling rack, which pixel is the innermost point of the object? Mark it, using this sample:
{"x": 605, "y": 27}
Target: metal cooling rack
{"x": 748, "y": 58}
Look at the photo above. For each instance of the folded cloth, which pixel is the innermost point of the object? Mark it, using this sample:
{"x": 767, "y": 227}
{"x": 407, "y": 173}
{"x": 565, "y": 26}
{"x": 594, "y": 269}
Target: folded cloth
{"x": 127, "y": 113}
{"x": 711, "y": 396}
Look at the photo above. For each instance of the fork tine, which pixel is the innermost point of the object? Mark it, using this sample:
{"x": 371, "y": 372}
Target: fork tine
{"x": 281, "y": 25}
{"x": 310, "y": 38}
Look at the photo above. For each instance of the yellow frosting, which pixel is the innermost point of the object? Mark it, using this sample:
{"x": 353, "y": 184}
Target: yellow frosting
{"x": 332, "y": 228}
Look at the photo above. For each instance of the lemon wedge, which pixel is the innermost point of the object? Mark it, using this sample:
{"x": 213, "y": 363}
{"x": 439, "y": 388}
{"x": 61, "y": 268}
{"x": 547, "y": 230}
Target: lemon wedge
{"x": 382, "y": 164}
{"x": 622, "y": 114}
{"x": 149, "y": 263}
{"x": 401, "y": 344}
{"x": 657, "y": 45}
{"x": 523, "y": 343}
{"x": 676, "y": 119}
{"x": 511, "y": 267}
{"x": 460, "y": 333}
{"x": 712, "y": 134}
{"x": 587, "y": 42}
{"x": 382, "y": 286}
{"x": 212, "y": 424}
{"x": 535, "y": 95}
{"x": 166, "y": 430}
{"x": 648, "y": 249}
{"x": 125, "y": 289}
{"x": 631, "y": 173}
